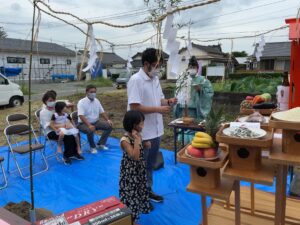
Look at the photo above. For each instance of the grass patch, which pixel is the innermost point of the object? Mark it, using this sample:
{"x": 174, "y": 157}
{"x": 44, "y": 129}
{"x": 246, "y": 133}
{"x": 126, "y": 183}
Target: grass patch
{"x": 99, "y": 82}
{"x": 25, "y": 90}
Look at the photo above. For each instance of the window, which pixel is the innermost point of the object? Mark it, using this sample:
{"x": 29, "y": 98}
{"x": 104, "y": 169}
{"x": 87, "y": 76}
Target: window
{"x": 44, "y": 61}
{"x": 17, "y": 60}
{"x": 69, "y": 62}
{"x": 267, "y": 64}
{"x": 2, "y": 80}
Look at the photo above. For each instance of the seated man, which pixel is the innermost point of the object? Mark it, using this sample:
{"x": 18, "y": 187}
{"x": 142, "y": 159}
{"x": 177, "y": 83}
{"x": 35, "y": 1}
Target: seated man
{"x": 89, "y": 109}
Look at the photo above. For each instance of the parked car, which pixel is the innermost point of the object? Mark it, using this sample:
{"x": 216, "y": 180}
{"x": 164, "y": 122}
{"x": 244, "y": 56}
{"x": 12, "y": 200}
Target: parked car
{"x": 10, "y": 93}
{"x": 123, "y": 79}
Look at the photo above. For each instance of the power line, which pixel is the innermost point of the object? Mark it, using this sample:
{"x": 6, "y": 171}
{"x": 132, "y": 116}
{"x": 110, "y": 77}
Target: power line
{"x": 241, "y": 10}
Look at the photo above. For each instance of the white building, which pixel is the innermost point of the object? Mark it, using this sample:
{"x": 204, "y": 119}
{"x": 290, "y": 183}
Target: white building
{"x": 208, "y": 55}
{"x": 48, "y": 58}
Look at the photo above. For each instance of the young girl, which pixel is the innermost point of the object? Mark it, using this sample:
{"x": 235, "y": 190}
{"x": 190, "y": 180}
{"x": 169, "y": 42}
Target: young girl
{"x": 62, "y": 123}
{"x": 133, "y": 184}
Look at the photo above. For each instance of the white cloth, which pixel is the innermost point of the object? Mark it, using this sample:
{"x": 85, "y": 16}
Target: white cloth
{"x": 71, "y": 131}
{"x": 145, "y": 91}
{"x": 61, "y": 119}
{"x": 89, "y": 109}
{"x": 184, "y": 84}
{"x": 45, "y": 119}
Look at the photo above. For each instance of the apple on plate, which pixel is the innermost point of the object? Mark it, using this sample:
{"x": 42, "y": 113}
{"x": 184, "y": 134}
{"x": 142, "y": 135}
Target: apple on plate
{"x": 209, "y": 153}
{"x": 195, "y": 152}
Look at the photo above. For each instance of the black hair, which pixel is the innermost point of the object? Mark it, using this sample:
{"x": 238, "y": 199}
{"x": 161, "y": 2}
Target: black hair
{"x": 131, "y": 119}
{"x": 59, "y": 106}
{"x": 47, "y": 95}
{"x": 89, "y": 87}
{"x": 151, "y": 55}
{"x": 54, "y": 93}
{"x": 193, "y": 61}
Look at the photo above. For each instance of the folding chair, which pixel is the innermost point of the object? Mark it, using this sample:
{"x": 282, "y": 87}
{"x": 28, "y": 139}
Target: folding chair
{"x": 16, "y": 117}
{"x": 46, "y": 139}
{"x": 15, "y": 149}
{"x": 74, "y": 117}
{"x": 3, "y": 172}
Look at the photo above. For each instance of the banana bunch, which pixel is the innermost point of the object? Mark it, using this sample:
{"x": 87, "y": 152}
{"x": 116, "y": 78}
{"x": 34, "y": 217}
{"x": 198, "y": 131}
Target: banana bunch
{"x": 202, "y": 140}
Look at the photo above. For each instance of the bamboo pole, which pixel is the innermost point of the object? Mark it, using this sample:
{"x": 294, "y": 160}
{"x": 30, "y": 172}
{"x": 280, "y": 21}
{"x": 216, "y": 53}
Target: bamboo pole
{"x": 83, "y": 56}
{"x": 32, "y": 210}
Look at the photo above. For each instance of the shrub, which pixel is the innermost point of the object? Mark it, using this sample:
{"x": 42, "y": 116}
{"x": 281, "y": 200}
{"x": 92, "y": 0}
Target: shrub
{"x": 99, "y": 82}
{"x": 249, "y": 85}
{"x": 255, "y": 74}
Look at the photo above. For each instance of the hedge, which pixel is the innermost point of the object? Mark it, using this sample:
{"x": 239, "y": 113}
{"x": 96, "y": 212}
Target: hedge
{"x": 256, "y": 75}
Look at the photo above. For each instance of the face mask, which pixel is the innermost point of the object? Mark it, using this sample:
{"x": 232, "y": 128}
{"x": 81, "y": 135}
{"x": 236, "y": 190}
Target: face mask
{"x": 50, "y": 104}
{"x": 192, "y": 72}
{"x": 154, "y": 73}
{"x": 91, "y": 96}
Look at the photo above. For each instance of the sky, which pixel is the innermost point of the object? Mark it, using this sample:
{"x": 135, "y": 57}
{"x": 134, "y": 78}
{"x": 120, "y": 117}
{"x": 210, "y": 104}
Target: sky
{"x": 224, "y": 19}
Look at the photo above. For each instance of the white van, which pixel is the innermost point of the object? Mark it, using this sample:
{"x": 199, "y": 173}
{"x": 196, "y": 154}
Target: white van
{"x": 10, "y": 93}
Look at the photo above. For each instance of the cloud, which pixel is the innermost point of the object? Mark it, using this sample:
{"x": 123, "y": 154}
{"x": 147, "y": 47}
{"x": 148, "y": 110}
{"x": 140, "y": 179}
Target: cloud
{"x": 15, "y": 6}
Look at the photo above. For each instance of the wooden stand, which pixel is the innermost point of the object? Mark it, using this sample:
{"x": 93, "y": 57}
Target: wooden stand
{"x": 206, "y": 179}
{"x": 265, "y": 112}
{"x": 285, "y": 151}
{"x": 264, "y": 209}
{"x": 246, "y": 163}
{"x": 245, "y": 160}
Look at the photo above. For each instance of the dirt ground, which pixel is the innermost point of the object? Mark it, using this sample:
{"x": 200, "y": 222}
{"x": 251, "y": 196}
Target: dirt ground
{"x": 22, "y": 210}
{"x": 114, "y": 103}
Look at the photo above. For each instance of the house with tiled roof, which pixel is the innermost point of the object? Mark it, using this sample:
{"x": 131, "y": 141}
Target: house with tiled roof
{"x": 275, "y": 57}
{"x": 206, "y": 55}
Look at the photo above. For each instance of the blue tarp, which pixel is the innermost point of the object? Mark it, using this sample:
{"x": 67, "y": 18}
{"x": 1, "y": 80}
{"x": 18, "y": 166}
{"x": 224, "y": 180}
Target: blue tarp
{"x": 63, "y": 188}
{"x": 62, "y": 76}
{"x": 10, "y": 72}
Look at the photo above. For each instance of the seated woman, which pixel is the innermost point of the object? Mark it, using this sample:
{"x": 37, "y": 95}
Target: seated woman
{"x": 70, "y": 105}
{"x": 194, "y": 92}
{"x": 69, "y": 141}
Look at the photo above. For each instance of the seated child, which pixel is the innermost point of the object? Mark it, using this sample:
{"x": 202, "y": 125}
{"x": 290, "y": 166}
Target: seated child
{"x": 62, "y": 123}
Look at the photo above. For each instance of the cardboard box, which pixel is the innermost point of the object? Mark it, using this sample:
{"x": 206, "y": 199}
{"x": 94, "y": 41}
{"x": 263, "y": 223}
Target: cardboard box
{"x": 105, "y": 212}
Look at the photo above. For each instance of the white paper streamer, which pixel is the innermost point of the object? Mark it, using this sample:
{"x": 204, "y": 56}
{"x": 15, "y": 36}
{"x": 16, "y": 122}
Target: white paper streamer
{"x": 93, "y": 49}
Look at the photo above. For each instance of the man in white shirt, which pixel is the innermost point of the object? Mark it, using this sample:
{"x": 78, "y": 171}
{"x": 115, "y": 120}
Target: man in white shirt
{"x": 145, "y": 95}
{"x": 89, "y": 111}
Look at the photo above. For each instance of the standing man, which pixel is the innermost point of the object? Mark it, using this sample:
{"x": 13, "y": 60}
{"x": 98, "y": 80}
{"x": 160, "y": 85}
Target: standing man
{"x": 89, "y": 111}
{"x": 145, "y": 95}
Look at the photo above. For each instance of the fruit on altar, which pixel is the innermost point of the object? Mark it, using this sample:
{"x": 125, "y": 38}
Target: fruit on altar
{"x": 200, "y": 145}
{"x": 202, "y": 135}
{"x": 249, "y": 98}
{"x": 195, "y": 152}
{"x": 265, "y": 105}
{"x": 209, "y": 153}
{"x": 198, "y": 140}
{"x": 266, "y": 97}
{"x": 246, "y": 104}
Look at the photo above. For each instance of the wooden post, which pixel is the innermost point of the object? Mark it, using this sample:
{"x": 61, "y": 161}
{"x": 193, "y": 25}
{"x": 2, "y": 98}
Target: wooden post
{"x": 204, "y": 210}
{"x": 252, "y": 199}
{"x": 280, "y": 198}
{"x": 237, "y": 202}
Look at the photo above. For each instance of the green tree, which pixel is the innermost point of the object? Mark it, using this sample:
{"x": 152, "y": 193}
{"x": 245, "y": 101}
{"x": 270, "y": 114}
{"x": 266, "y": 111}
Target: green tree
{"x": 159, "y": 7}
{"x": 240, "y": 54}
{"x": 2, "y": 33}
